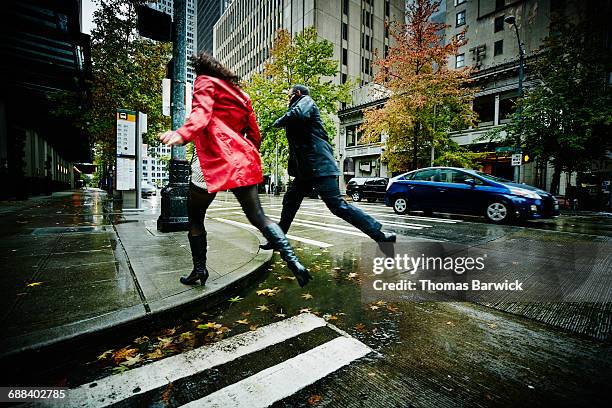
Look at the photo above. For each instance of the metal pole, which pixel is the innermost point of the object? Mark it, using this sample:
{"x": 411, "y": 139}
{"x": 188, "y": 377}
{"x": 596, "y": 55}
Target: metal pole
{"x": 432, "y": 138}
{"x": 517, "y": 146}
{"x": 276, "y": 189}
{"x": 173, "y": 215}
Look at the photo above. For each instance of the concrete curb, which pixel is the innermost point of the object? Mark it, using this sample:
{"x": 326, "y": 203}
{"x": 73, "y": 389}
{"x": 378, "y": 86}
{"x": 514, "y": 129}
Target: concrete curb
{"x": 78, "y": 338}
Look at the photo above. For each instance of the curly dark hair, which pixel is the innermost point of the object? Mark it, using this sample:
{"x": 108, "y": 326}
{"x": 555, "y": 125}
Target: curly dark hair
{"x": 206, "y": 64}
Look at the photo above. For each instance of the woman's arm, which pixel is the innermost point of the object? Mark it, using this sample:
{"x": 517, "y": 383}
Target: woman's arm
{"x": 252, "y": 131}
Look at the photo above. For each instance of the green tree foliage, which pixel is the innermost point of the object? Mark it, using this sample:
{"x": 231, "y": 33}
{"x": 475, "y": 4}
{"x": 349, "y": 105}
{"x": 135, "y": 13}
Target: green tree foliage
{"x": 303, "y": 59}
{"x": 566, "y": 119}
{"x": 426, "y": 98}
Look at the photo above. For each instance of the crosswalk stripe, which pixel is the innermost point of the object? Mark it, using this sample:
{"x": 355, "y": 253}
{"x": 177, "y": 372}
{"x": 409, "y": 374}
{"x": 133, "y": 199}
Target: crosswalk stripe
{"x": 285, "y": 379}
{"x": 411, "y": 217}
{"x": 308, "y": 241}
{"x": 113, "y": 389}
{"x": 405, "y": 225}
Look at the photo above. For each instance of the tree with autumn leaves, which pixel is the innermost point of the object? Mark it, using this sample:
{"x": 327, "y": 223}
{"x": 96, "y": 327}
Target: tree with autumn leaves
{"x": 300, "y": 59}
{"x": 426, "y": 99}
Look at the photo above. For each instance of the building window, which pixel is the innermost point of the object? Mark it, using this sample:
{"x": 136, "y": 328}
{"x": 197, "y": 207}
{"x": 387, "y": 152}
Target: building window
{"x": 498, "y": 47}
{"x": 458, "y": 2}
{"x": 460, "y": 38}
{"x": 345, "y": 31}
{"x": 350, "y": 136}
{"x": 459, "y": 60}
{"x": 484, "y": 107}
{"x": 387, "y": 8}
{"x": 345, "y": 7}
{"x": 344, "y": 56}
{"x": 343, "y": 78}
{"x": 499, "y": 24}
{"x": 460, "y": 18}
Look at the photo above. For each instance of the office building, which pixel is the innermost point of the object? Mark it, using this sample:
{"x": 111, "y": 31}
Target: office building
{"x": 167, "y": 6}
{"x": 208, "y": 13}
{"x": 155, "y": 165}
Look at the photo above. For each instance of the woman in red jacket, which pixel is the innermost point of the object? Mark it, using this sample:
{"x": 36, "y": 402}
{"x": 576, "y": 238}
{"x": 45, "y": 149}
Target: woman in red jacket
{"x": 222, "y": 125}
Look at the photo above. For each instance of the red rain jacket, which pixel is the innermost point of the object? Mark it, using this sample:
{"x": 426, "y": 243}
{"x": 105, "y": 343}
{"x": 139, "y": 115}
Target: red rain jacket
{"x": 222, "y": 125}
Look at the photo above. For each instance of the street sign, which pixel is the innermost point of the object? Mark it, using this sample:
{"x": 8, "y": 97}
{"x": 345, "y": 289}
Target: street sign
{"x": 516, "y": 159}
{"x": 504, "y": 149}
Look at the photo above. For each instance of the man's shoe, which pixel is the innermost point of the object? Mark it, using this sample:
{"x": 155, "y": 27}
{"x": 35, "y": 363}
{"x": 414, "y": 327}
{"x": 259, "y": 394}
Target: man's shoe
{"x": 266, "y": 246}
{"x": 387, "y": 237}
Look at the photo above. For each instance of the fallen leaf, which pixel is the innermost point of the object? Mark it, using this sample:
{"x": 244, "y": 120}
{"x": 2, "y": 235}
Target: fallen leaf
{"x": 123, "y": 354}
{"x": 314, "y": 399}
{"x": 360, "y": 327}
{"x": 242, "y": 321}
{"x": 165, "y": 342}
{"x": 31, "y": 285}
{"x": 351, "y": 275}
{"x": 305, "y": 310}
{"x": 381, "y": 303}
{"x": 263, "y": 308}
{"x": 245, "y": 313}
{"x": 235, "y": 299}
{"x": 449, "y": 323}
{"x": 280, "y": 315}
{"x": 170, "y": 332}
{"x": 141, "y": 340}
{"x": 268, "y": 292}
{"x": 155, "y": 354}
{"x": 130, "y": 361}
{"x": 253, "y": 327}
{"x": 392, "y": 308}
{"x": 374, "y": 307}
{"x": 286, "y": 277}
{"x": 330, "y": 317}
{"x": 105, "y": 355}
{"x": 209, "y": 325}
{"x": 120, "y": 369}
{"x": 492, "y": 325}
{"x": 307, "y": 296}
{"x": 186, "y": 335}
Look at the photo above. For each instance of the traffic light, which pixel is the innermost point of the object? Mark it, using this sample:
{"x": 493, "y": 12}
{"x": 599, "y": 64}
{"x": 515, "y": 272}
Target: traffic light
{"x": 154, "y": 24}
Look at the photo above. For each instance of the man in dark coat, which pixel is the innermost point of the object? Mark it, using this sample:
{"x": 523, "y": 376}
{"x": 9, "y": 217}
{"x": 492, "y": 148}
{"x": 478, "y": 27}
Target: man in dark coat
{"x": 312, "y": 163}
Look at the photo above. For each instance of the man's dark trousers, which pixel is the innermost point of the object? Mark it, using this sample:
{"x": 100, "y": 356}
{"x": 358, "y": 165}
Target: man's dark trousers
{"x": 327, "y": 188}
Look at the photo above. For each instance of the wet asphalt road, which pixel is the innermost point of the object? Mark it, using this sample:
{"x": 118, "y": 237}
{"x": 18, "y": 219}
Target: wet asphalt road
{"x": 430, "y": 353}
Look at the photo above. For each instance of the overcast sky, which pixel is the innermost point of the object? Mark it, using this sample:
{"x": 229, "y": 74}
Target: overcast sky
{"x": 87, "y": 15}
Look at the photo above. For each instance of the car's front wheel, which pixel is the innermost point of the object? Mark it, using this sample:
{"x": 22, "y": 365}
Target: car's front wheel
{"x": 400, "y": 205}
{"x": 497, "y": 212}
{"x": 356, "y": 196}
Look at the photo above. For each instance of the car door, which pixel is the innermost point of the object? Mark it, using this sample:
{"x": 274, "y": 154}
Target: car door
{"x": 381, "y": 188}
{"x": 456, "y": 195}
{"x": 421, "y": 190}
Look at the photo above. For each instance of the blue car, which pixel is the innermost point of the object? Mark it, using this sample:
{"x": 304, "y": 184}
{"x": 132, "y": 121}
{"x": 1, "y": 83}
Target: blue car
{"x": 464, "y": 191}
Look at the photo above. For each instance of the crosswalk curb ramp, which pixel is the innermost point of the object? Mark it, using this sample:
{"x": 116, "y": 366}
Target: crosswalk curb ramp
{"x": 253, "y": 369}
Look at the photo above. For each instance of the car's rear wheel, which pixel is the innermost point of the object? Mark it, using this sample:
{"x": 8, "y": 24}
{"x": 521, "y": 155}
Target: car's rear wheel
{"x": 400, "y": 205}
{"x": 497, "y": 212}
{"x": 356, "y": 196}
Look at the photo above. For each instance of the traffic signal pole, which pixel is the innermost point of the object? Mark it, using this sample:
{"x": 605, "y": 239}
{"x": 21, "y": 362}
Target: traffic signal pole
{"x": 173, "y": 215}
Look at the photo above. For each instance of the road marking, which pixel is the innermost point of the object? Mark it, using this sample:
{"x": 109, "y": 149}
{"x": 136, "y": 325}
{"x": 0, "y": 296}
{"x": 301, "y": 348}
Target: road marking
{"x": 285, "y": 379}
{"x": 412, "y": 217}
{"x": 308, "y": 241}
{"x": 406, "y": 225}
{"x": 116, "y": 388}
{"x": 223, "y": 209}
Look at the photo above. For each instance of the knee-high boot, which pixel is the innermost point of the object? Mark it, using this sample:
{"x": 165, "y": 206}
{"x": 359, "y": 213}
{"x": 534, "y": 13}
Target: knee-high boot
{"x": 275, "y": 235}
{"x": 197, "y": 243}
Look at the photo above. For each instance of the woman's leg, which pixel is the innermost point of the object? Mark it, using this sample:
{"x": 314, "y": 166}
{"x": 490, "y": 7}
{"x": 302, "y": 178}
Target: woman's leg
{"x": 198, "y": 201}
{"x": 249, "y": 201}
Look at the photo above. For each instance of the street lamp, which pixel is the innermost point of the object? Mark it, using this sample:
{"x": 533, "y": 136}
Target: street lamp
{"x": 512, "y": 21}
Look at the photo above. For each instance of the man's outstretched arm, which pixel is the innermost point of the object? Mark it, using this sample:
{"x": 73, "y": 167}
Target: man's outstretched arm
{"x": 300, "y": 111}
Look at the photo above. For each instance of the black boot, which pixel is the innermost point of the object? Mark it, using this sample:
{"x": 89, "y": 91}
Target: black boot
{"x": 268, "y": 245}
{"x": 275, "y": 236}
{"x": 385, "y": 242}
{"x": 198, "y": 253}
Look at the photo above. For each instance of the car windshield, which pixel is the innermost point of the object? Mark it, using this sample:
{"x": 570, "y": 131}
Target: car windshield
{"x": 492, "y": 177}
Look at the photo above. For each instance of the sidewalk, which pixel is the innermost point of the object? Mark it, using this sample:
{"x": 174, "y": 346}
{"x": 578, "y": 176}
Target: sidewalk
{"x": 75, "y": 268}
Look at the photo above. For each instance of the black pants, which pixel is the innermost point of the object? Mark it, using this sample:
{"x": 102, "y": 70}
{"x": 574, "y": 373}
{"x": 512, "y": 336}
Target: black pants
{"x": 199, "y": 200}
{"x": 327, "y": 188}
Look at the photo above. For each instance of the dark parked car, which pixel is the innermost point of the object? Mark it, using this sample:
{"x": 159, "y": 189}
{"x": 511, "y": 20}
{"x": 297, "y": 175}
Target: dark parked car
{"x": 464, "y": 191}
{"x": 370, "y": 188}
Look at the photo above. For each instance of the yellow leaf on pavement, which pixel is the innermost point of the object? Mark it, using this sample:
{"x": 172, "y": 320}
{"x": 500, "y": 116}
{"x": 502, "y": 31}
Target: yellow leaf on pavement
{"x": 307, "y": 296}
{"x": 31, "y": 285}
{"x": 105, "y": 355}
{"x": 130, "y": 361}
{"x": 263, "y": 308}
{"x": 242, "y": 321}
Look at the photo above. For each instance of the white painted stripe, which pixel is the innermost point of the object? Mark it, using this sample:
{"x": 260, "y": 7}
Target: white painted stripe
{"x": 405, "y": 225}
{"x": 223, "y": 209}
{"x": 308, "y": 241}
{"x": 285, "y": 379}
{"x": 115, "y": 388}
{"x": 412, "y": 217}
